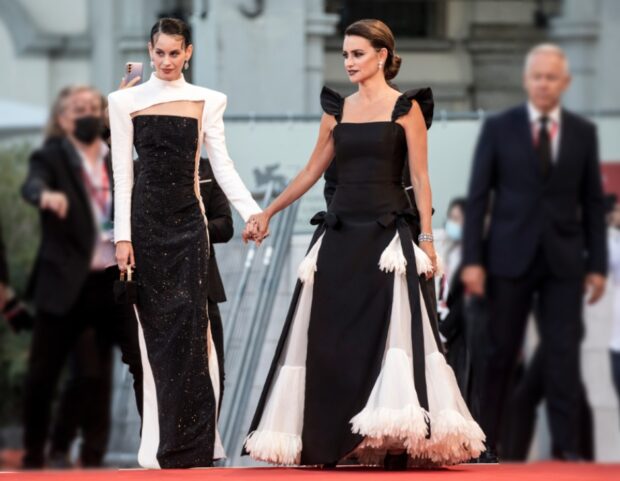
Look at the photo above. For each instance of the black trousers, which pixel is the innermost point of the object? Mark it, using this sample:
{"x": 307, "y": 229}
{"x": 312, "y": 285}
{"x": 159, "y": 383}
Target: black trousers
{"x": 55, "y": 337}
{"x": 615, "y": 370}
{"x": 85, "y": 399}
{"x": 519, "y": 418}
{"x": 559, "y": 305}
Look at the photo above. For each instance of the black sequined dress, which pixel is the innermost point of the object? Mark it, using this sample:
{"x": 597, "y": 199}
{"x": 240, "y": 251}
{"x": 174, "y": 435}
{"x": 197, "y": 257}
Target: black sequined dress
{"x": 171, "y": 249}
{"x": 162, "y": 214}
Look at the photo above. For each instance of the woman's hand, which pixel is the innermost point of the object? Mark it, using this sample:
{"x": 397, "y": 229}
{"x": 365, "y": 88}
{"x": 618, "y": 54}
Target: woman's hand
{"x": 124, "y": 255}
{"x": 429, "y": 249}
{"x": 125, "y": 85}
{"x": 257, "y": 228}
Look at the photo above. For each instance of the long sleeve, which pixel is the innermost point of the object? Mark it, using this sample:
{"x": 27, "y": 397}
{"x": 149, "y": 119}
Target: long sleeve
{"x": 480, "y": 186}
{"x": 121, "y": 129}
{"x": 223, "y": 167}
{"x": 594, "y": 212}
{"x": 39, "y": 178}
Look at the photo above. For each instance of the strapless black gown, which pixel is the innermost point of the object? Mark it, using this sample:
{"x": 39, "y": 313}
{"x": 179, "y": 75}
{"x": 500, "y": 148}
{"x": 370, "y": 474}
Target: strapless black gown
{"x": 342, "y": 382}
{"x": 171, "y": 246}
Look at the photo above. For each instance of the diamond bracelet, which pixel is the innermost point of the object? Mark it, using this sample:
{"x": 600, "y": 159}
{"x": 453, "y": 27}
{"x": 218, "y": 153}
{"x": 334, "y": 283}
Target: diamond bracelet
{"x": 424, "y": 237}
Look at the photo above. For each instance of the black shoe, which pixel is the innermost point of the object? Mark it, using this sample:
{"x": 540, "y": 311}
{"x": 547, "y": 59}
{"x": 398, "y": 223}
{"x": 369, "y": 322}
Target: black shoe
{"x": 59, "y": 460}
{"x": 30, "y": 462}
{"x": 395, "y": 462}
{"x": 567, "y": 456}
{"x": 333, "y": 465}
{"x": 488, "y": 457}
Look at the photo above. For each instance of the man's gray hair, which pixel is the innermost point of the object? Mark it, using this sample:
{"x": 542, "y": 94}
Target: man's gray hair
{"x": 546, "y": 48}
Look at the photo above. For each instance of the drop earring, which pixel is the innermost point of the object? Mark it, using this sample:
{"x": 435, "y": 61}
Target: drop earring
{"x": 186, "y": 66}
{"x": 152, "y": 64}
{"x": 380, "y": 65}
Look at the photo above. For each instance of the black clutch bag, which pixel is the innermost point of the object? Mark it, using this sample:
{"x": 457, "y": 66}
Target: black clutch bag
{"x": 125, "y": 289}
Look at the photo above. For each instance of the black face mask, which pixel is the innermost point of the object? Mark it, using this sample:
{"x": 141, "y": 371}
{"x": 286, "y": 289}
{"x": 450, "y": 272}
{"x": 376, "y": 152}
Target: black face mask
{"x": 88, "y": 129}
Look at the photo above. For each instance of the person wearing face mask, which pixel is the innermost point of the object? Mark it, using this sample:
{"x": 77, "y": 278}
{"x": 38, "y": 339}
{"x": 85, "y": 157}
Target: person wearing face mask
{"x": 461, "y": 316}
{"x": 69, "y": 181}
{"x": 454, "y": 233}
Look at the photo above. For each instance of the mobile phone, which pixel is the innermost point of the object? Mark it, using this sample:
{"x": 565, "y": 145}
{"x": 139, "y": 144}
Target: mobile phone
{"x": 133, "y": 70}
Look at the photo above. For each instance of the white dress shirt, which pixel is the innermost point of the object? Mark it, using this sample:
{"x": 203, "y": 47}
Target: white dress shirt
{"x": 554, "y": 127}
{"x": 613, "y": 239}
{"x": 123, "y": 103}
{"x": 104, "y": 254}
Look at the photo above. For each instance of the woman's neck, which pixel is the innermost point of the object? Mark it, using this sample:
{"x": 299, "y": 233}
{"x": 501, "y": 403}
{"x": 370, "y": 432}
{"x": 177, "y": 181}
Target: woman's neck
{"x": 373, "y": 88}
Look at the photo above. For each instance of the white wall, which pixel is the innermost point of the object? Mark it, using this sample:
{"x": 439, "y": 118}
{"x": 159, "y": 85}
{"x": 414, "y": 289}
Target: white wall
{"x": 58, "y": 16}
{"x": 451, "y": 146}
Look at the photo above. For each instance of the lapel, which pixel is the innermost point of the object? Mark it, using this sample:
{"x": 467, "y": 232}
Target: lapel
{"x": 75, "y": 173}
{"x": 524, "y": 132}
{"x": 566, "y": 136}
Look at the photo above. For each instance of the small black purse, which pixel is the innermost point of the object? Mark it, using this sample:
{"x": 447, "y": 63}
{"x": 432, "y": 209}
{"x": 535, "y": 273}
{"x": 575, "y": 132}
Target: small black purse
{"x": 125, "y": 289}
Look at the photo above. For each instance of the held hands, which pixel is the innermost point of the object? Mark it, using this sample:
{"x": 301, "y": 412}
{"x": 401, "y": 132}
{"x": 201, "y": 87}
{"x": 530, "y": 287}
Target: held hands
{"x": 55, "y": 202}
{"x": 256, "y": 229}
{"x": 124, "y": 255}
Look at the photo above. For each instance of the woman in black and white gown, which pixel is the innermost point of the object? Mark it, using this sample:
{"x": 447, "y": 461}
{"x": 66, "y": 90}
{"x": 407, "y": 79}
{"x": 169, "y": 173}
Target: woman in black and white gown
{"x": 358, "y": 372}
{"x": 161, "y": 219}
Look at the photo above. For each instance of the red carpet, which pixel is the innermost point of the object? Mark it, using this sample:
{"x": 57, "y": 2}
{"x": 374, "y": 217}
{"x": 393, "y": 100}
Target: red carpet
{"x": 505, "y": 472}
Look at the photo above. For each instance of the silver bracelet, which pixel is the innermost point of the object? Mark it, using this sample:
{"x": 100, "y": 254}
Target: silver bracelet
{"x": 425, "y": 237}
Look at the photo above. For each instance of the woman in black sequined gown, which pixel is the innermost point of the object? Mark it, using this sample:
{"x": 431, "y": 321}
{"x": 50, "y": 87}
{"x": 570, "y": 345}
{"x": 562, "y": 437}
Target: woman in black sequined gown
{"x": 160, "y": 218}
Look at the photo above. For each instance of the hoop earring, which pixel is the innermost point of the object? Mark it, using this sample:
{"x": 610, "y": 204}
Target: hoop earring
{"x": 186, "y": 66}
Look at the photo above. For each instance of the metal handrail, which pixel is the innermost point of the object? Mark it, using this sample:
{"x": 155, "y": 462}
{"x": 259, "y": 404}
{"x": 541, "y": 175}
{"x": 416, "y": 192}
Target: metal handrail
{"x": 250, "y": 350}
{"x": 231, "y": 327}
{"x": 242, "y": 359}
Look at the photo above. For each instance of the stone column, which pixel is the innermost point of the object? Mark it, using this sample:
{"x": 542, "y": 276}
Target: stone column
{"x": 588, "y": 31}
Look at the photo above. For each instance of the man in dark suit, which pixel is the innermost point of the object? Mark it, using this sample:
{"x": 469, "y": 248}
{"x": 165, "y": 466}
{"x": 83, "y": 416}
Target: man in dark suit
{"x": 70, "y": 181}
{"x": 546, "y": 238}
{"x": 220, "y": 231}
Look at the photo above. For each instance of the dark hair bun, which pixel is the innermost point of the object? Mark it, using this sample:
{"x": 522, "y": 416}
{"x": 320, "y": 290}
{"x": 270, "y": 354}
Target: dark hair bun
{"x": 392, "y": 66}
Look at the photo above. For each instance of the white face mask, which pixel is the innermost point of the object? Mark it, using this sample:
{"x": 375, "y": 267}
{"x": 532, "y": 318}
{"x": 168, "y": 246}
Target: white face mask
{"x": 454, "y": 230}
